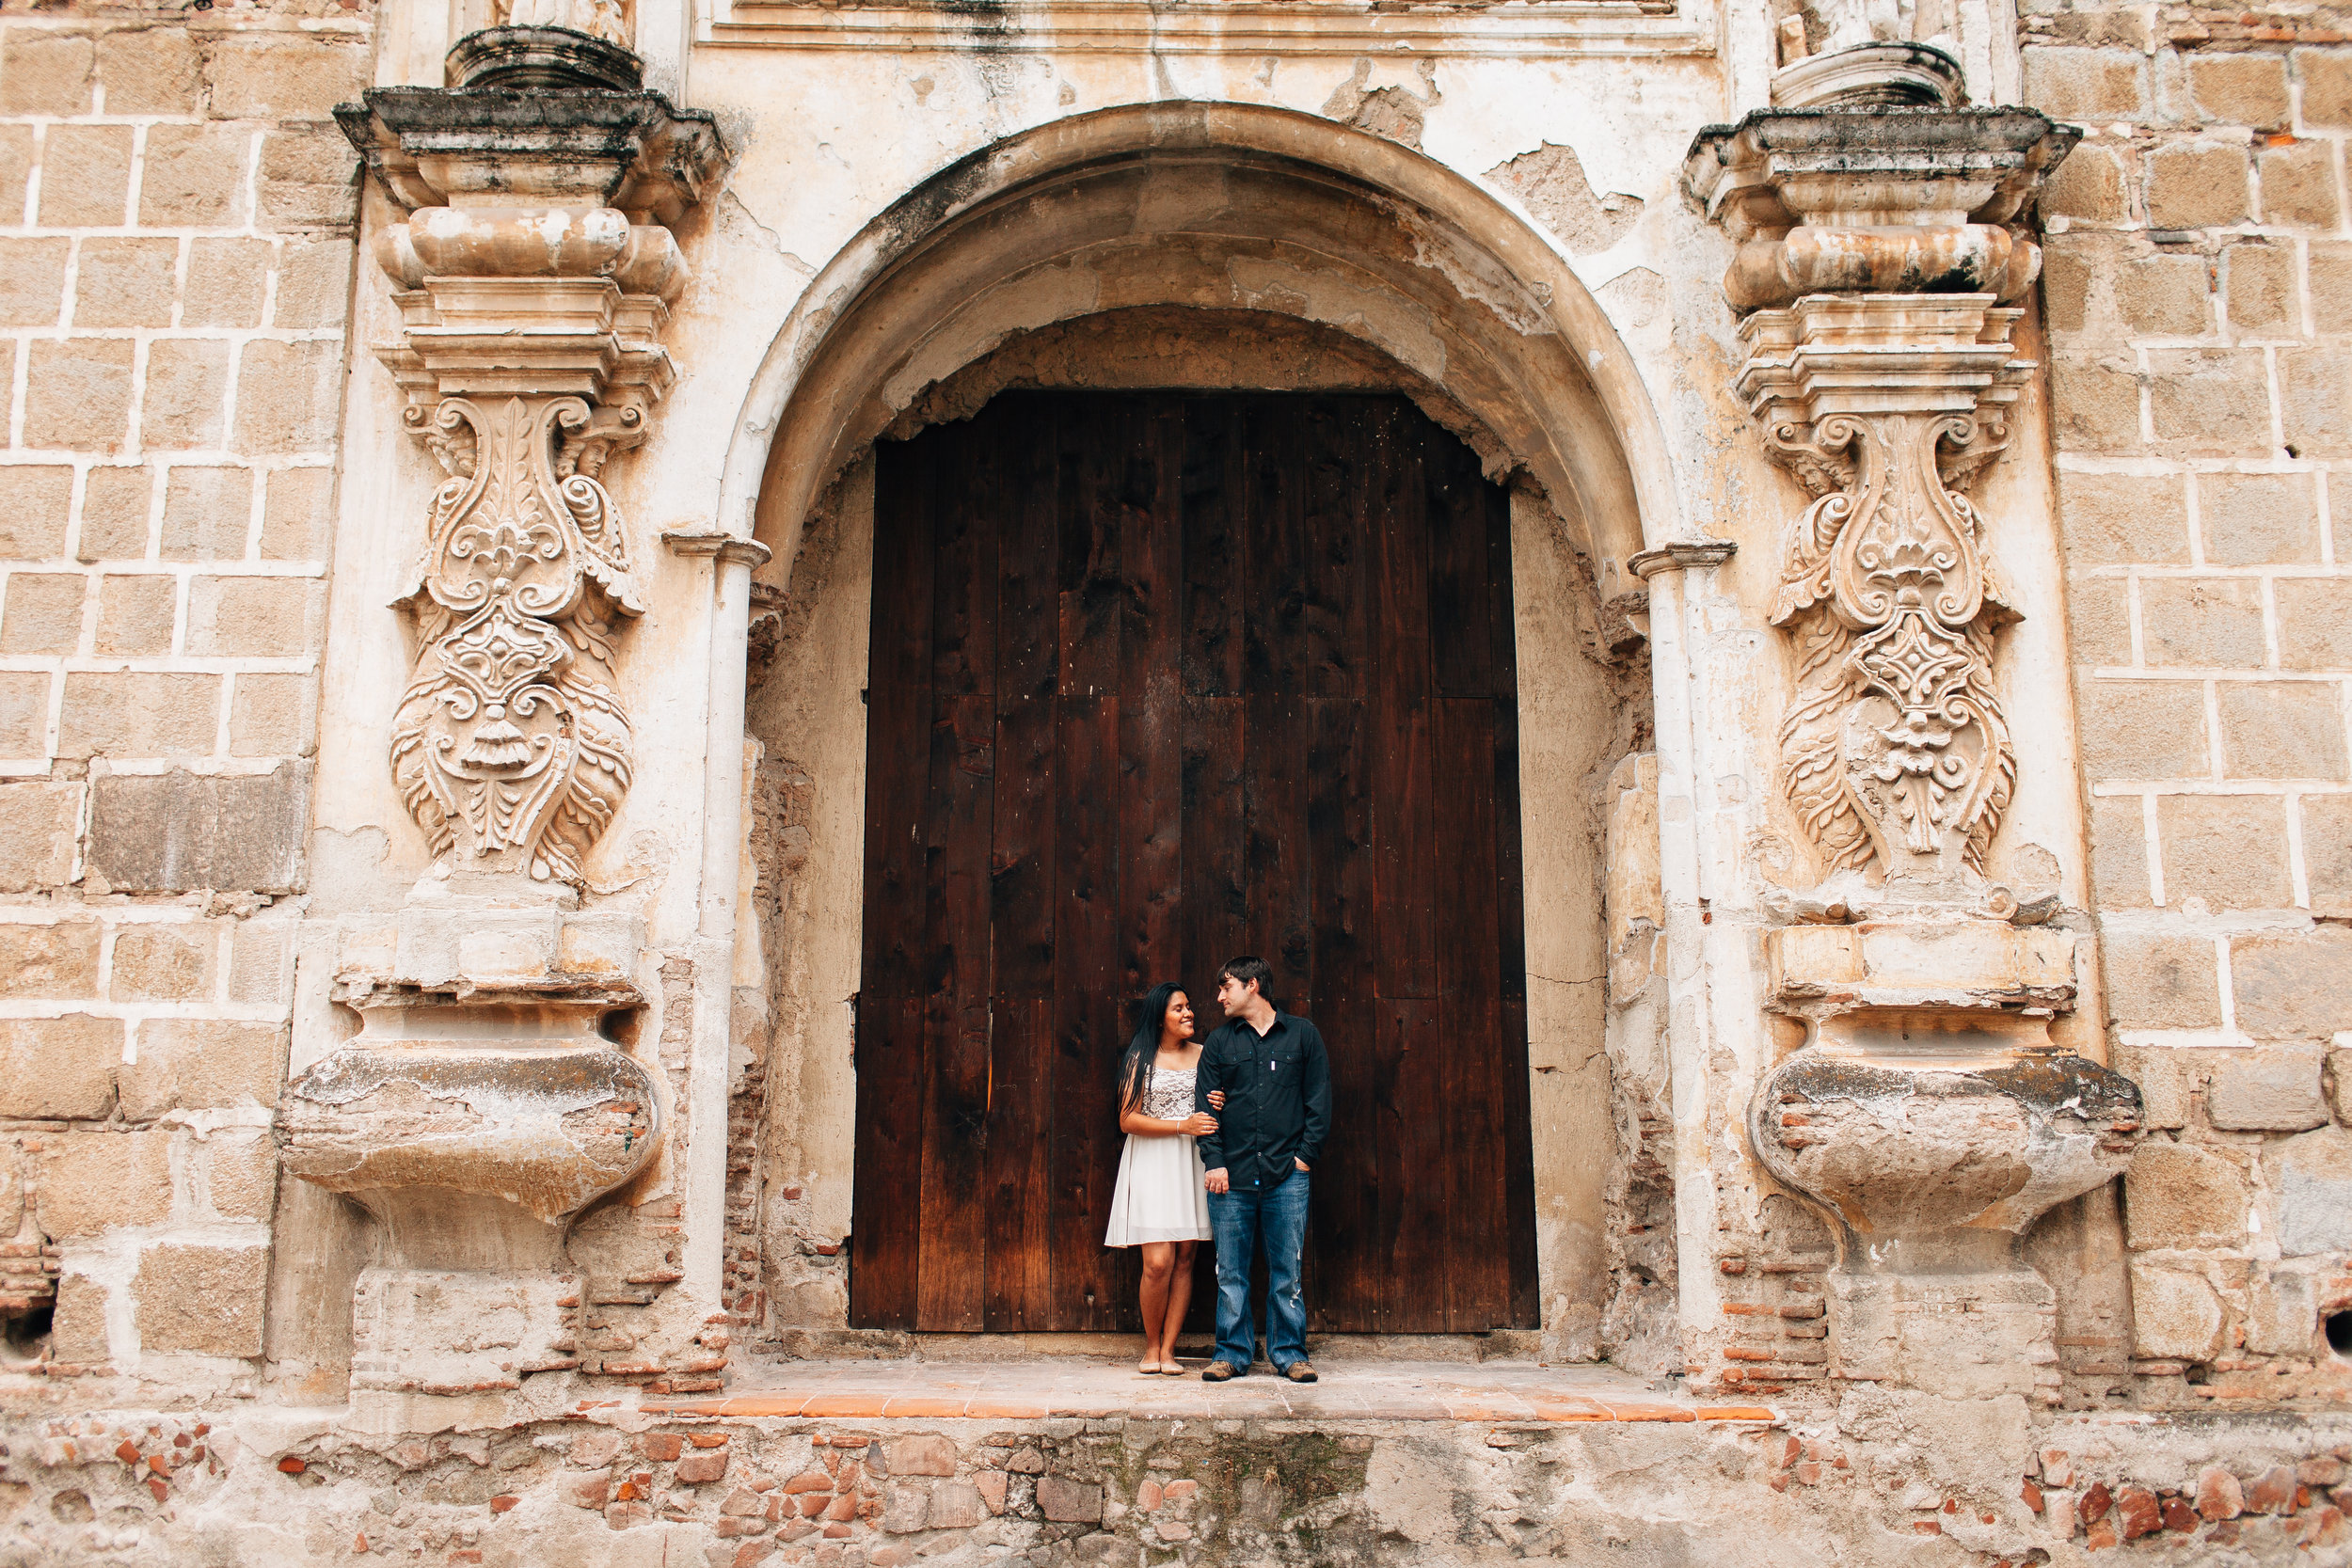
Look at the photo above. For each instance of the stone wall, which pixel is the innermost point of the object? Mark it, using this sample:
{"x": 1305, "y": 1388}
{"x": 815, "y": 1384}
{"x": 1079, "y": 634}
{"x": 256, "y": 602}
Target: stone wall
{"x": 2199, "y": 300}
{"x": 176, "y": 216}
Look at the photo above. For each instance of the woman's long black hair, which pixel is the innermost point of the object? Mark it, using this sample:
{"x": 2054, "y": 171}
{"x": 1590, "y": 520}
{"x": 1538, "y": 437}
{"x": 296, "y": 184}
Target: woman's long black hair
{"x": 1135, "y": 1068}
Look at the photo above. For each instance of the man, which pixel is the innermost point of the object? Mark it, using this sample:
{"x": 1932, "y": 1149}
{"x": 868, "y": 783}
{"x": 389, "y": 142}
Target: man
{"x": 1272, "y": 1084}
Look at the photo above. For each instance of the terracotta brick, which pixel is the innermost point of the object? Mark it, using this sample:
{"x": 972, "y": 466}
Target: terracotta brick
{"x": 114, "y": 514}
{"x": 240, "y": 1174}
{"x": 2259, "y": 277}
{"x": 59, "y": 1067}
{"x": 2182, "y": 1195}
{"x": 78, "y": 394}
{"x": 194, "y": 175}
{"x": 287, "y": 397}
{"x": 43, "y": 72}
{"x": 2210, "y": 399}
{"x": 314, "y": 279}
{"x": 91, "y": 1182}
{"x": 32, "y": 280}
{"x": 2240, "y": 89}
{"x": 2119, "y": 853}
{"x": 2162, "y": 982}
{"x": 2292, "y": 987}
{"x": 204, "y": 1299}
{"x": 2298, "y": 184}
{"x": 125, "y": 282}
{"x": 697, "y": 1469}
{"x": 2095, "y": 402}
{"x": 202, "y": 1064}
{"x": 2143, "y": 730}
{"x": 187, "y": 387}
{"x": 2231, "y": 851}
{"x": 1070, "y": 1502}
{"x": 2315, "y": 400}
{"x": 41, "y": 613}
{"x": 2282, "y": 730}
{"x": 2218, "y": 1494}
{"x": 48, "y": 960}
{"x": 24, "y": 712}
{"x": 86, "y": 176}
{"x": 225, "y": 282}
{"x": 2087, "y": 84}
{"x": 309, "y": 179}
{"x": 275, "y": 76}
{"x": 134, "y": 613}
{"x": 208, "y": 513}
{"x": 276, "y": 617}
{"x": 39, "y": 825}
{"x": 151, "y": 71}
{"x": 163, "y": 963}
{"x": 296, "y": 513}
{"x": 34, "y": 503}
{"x": 137, "y": 714}
{"x": 922, "y": 1456}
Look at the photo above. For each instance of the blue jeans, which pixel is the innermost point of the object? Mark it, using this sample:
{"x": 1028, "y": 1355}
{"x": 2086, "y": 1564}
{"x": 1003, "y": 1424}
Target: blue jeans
{"x": 1237, "y": 1220}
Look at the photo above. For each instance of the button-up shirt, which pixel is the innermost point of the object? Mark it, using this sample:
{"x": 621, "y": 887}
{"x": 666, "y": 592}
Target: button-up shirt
{"x": 1277, "y": 1100}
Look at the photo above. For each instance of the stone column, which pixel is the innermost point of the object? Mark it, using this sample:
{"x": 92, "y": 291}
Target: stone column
{"x": 483, "y": 1104}
{"x": 1925, "y": 1109}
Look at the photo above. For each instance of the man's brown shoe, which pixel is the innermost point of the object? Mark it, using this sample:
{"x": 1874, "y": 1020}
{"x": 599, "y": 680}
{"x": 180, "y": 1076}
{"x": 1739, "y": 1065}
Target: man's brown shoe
{"x": 1219, "y": 1372}
{"x": 1298, "y": 1371}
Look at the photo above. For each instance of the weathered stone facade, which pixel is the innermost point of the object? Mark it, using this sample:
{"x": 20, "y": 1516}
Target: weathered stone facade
{"x": 436, "y": 541}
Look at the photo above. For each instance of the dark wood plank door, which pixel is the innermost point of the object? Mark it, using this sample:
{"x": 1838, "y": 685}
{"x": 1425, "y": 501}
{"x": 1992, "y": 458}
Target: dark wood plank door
{"x": 1157, "y": 679}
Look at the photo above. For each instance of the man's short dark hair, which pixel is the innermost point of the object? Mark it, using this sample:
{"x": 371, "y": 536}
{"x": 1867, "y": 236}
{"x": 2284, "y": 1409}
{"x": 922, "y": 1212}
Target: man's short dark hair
{"x": 1246, "y": 969}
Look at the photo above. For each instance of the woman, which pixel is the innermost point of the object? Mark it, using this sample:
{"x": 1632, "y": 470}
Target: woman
{"x": 1161, "y": 1203}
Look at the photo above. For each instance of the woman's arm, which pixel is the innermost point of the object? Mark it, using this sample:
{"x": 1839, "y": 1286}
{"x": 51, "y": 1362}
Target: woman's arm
{"x": 1197, "y": 1124}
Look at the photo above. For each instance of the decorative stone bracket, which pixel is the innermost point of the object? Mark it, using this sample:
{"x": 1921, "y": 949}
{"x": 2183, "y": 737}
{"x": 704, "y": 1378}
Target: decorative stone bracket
{"x": 1927, "y": 1112}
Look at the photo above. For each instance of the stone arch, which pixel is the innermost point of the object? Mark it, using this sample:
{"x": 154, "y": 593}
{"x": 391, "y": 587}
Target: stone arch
{"x": 1225, "y": 206}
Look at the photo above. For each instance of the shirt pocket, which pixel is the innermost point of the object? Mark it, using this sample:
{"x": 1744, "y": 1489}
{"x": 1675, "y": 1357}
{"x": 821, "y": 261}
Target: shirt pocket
{"x": 1281, "y": 1063}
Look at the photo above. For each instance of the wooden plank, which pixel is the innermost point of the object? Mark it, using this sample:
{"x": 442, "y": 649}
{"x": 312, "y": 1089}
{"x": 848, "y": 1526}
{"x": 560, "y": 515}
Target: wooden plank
{"x": 1210, "y": 497}
{"x": 1151, "y": 712}
{"x": 1092, "y": 446}
{"x": 1280, "y": 927}
{"x": 1460, "y": 597}
{"x": 1217, "y": 883}
{"x": 1338, "y": 830}
{"x": 966, "y": 504}
{"x": 888, "y": 1164}
{"x": 897, "y": 725}
{"x": 1339, "y": 450}
{"x": 1089, "y": 1026}
{"x": 1272, "y": 586}
{"x": 1403, "y": 786}
{"x": 1416, "y": 1233}
{"x": 953, "y": 1210}
{"x": 1028, "y": 666}
{"x": 1471, "y": 1077}
{"x": 1019, "y": 1264}
{"x": 1518, "y": 1192}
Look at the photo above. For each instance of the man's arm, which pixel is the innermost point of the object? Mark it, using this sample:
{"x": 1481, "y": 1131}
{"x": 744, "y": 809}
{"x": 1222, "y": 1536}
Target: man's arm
{"x": 1316, "y": 1087}
{"x": 1211, "y": 1076}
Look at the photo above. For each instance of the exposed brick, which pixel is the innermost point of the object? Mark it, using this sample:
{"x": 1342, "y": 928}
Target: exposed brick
{"x": 295, "y": 512}
{"x": 163, "y": 963}
{"x": 2273, "y": 1089}
{"x": 39, "y": 826}
{"x": 204, "y": 1299}
{"x": 2282, "y": 730}
{"x": 272, "y": 76}
{"x": 2231, "y": 851}
{"x": 84, "y": 176}
{"x": 78, "y": 394}
{"x": 2296, "y": 986}
{"x": 2298, "y": 184}
{"x": 48, "y": 960}
{"x": 152, "y": 71}
{"x": 2240, "y": 89}
{"x": 134, "y": 613}
{"x": 699, "y": 1470}
{"x": 187, "y": 382}
{"x": 2211, "y": 399}
{"x": 181, "y": 831}
{"x": 2315, "y": 400}
{"x": 34, "y": 503}
{"x": 2143, "y": 730}
{"x": 60, "y": 1067}
{"x": 208, "y": 513}
{"x": 267, "y": 617}
{"x": 92, "y": 1182}
{"x": 287, "y": 397}
{"x": 2087, "y": 84}
{"x": 140, "y": 714}
{"x": 194, "y": 175}
{"x": 202, "y": 1064}
{"x": 2260, "y": 279}
{"x": 43, "y": 72}
{"x": 2162, "y": 982}
{"x": 32, "y": 280}
{"x": 125, "y": 282}
{"x": 273, "y": 715}
{"x": 2181, "y": 1195}
{"x": 113, "y": 515}
{"x": 225, "y": 282}
{"x": 41, "y": 613}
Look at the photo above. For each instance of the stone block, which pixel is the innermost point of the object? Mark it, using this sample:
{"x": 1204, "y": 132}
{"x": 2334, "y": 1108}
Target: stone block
{"x": 2231, "y": 851}
{"x": 2099, "y": 617}
{"x": 2339, "y": 1084}
{"x": 2259, "y": 280}
{"x": 2087, "y": 84}
{"x": 36, "y": 500}
{"x": 287, "y": 397}
{"x": 2326, "y": 78}
{"x": 2257, "y": 519}
{"x": 2067, "y": 274}
{"x": 202, "y": 1299}
{"x": 2141, "y": 729}
{"x": 32, "y": 280}
{"x": 271, "y": 617}
{"x": 41, "y": 613}
{"x": 91, "y": 1182}
{"x": 2282, "y": 1314}
{"x": 85, "y": 177}
{"x": 240, "y": 1175}
{"x": 2175, "y": 1316}
{"x": 113, "y": 515}
{"x": 48, "y": 960}
{"x": 77, "y": 1327}
{"x": 59, "y": 1068}
{"x": 151, "y": 71}
{"x": 295, "y": 511}
{"x": 2182, "y": 1195}
{"x": 2197, "y": 185}
{"x": 2210, "y": 399}
{"x": 2292, "y": 985}
{"x": 309, "y": 179}
{"x": 2119, "y": 854}
{"x": 2282, "y": 730}
{"x": 202, "y": 1064}
{"x": 282, "y": 76}
{"x": 957, "y": 1505}
{"x": 139, "y": 714}
{"x": 24, "y": 713}
{"x": 77, "y": 394}
{"x": 2312, "y": 1175}
{"x": 163, "y": 963}
{"x": 2315, "y": 400}
{"x": 2273, "y": 1089}
{"x": 134, "y": 613}
{"x": 260, "y": 962}
{"x": 208, "y": 513}
{"x": 922, "y": 1456}
{"x": 2095, "y": 402}
{"x": 2331, "y": 278}
{"x": 2328, "y": 853}
{"x": 273, "y": 715}
{"x": 314, "y": 279}
{"x": 16, "y": 166}
{"x": 2166, "y": 1082}
{"x": 40, "y": 825}
{"x": 194, "y": 175}
{"x": 125, "y": 282}
{"x": 2298, "y": 184}
{"x": 2091, "y": 186}
{"x": 906, "y": 1507}
{"x": 2164, "y": 296}
{"x": 43, "y": 72}
{"x": 179, "y": 831}
{"x": 2162, "y": 982}
{"x": 187, "y": 387}
{"x": 226, "y": 281}
{"x": 2240, "y": 89}
{"x": 1069, "y": 1502}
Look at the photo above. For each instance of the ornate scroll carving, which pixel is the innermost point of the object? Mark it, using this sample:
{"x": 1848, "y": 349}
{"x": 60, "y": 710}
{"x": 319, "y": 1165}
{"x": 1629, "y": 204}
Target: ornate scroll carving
{"x": 511, "y": 746}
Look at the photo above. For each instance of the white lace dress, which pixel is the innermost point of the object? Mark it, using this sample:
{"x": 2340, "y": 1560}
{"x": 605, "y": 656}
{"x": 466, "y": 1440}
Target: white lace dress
{"x": 1160, "y": 1195}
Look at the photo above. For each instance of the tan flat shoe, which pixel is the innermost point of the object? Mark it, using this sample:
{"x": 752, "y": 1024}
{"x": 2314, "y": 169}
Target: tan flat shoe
{"x": 1150, "y": 1367}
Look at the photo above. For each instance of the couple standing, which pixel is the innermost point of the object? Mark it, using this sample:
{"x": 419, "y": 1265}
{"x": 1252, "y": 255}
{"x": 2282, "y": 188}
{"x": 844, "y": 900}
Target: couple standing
{"x": 1221, "y": 1138}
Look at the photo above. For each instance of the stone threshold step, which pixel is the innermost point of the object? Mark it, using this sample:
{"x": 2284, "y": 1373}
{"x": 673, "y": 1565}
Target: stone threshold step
{"x": 1204, "y": 1402}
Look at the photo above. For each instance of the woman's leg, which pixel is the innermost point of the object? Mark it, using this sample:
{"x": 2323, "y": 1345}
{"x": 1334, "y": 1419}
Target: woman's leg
{"x": 1179, "y": 1297}
{"x": 1158, "y": 1268}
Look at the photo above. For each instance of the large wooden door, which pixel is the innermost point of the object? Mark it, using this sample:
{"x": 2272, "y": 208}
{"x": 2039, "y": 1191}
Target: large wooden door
{"x": 1157, "y": 679}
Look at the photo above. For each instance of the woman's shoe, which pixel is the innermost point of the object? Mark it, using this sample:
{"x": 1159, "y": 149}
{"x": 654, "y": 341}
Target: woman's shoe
{"x": 1172, "y": 1369}
{"x": 1151, "y": 1367}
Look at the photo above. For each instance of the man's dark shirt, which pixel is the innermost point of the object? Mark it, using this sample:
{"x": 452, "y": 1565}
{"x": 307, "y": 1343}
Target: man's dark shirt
{"x": 1277, "y": 1100}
